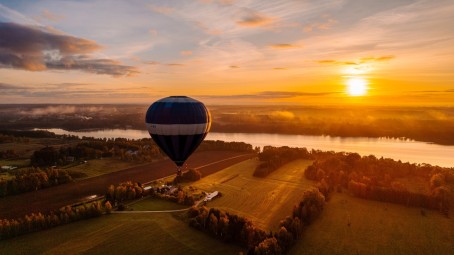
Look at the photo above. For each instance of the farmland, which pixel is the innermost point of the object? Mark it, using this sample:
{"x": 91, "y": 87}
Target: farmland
{"x": 157, "y": 233}
{"x": 96, "y": 167}
{"x": 347, "y": 225}
{"x": 56, "y": 197}
{"x": 265, "y": 201}
{"x": 376, "y": 228}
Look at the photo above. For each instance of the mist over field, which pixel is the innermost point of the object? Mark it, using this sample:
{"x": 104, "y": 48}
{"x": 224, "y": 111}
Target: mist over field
{"x": 428, "y": 124}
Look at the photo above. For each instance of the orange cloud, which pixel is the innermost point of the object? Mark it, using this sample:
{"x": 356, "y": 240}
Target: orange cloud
{"x": 185, "y": 52}
{"x": 162, "y": 9}
{"x": 374, "y": 59}
{"x": 327, "y": 24}
{"x": 362, "y": 60}
{"x": 254, "y": 19}
{"x": 284, "y": 46}
{"x": 51, "y": 16}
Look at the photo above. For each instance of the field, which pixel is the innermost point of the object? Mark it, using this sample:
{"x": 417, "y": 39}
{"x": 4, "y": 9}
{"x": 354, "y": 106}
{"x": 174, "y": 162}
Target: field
{"x": 376, "y": 228}
{"x": 265, "y": 201}
{"x": 348, "y": 225}
{"x": 152, "y": 204}
{"x": 53, "y": 198}
{"x": 98, "y": 167}
{"x": 148, "y": 233}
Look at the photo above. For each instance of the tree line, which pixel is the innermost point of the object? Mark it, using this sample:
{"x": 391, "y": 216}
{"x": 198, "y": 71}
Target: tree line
{"x": 123, "y": 192}
{"x": 374, "y": 178}
{"x": 126, "y": 191}
{"x": 120, "y": 148}
{"x": 38, "y": 221}
{"x": 33, "y": 179}
{"x": 191, "y": 175}
{"x": 272, "y": 158}
{"x": 218, "y": 145}
{"x": 142, "y": 150}
{"x": 235, "y": 229}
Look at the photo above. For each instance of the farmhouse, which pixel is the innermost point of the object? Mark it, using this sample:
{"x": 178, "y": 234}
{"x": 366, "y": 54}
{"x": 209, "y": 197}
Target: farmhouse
{"x": 211, "y": 196}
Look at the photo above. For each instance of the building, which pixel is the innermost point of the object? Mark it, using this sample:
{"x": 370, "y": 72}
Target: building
{"x": 211, "y": 196}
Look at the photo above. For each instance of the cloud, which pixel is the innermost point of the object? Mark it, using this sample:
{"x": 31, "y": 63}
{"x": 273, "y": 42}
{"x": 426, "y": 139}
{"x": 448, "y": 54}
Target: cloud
{"x": 254, "y": 19}
{"x": 222, "y": 2}
{"x": 5, "y": 86}
{"x": 326, "y": 61}
{"x": 97, "y": 66}
{"x": 174, "y": 64}
{"x": 284, "y": 46}
{"x": 362, "y": 60}
{"x": 376, "y": 59}
{"x": 185, "y": 52}
{"x": 162, "y": 9}
{"x": 234, "y": 67}
{"x": 279, "y": 68}
{"x": 7, "y": 14}
{"x": 153, "y": 32}
{"x": 269, "y": 95}
{"x": 324, "y": 25}
{"x": 34, "y": 49}
{"x": 51, "y": 16}
{"x": 153, "y": 63}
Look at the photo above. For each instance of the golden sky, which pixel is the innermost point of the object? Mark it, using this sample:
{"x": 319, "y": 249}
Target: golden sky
{"x": 228, "y": 52}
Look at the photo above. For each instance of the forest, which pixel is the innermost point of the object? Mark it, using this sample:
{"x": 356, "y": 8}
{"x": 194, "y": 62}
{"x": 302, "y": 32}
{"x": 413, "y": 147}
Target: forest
{"x": 367, "y": 177}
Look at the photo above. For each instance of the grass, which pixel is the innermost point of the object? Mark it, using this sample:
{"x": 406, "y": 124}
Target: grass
{"x": 15, "y": 162}
{"x": 98, "y": 167}
{"x": 265, "y": 201}
{"x": 24, "y": 150}
{"x": 376, "y": 228}
{"x": 151, "y": 233}
{"x": 153, "y": 204}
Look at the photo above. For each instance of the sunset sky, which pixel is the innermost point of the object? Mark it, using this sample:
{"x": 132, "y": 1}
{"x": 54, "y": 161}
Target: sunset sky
{"x": 228, "y": 52}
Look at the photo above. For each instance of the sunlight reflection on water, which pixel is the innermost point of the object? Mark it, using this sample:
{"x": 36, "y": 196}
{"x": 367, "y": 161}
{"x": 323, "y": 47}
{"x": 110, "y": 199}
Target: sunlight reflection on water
{"x": 395, "y": 148}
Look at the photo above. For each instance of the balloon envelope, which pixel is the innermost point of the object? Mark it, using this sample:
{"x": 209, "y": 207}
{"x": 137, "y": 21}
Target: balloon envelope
{"x": 178, "y": 124}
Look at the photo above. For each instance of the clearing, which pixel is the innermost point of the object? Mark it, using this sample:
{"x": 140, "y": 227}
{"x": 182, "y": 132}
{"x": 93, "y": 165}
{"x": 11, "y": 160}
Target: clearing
{"x": 265, "y": 201}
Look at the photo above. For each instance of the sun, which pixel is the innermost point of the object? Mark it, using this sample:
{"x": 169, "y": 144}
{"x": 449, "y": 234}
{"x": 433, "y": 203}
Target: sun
{"x": 356, "y": 86}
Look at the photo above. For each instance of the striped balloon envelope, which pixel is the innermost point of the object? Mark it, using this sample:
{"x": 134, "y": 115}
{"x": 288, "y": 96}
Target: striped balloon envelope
{"x": 178, "y": 124}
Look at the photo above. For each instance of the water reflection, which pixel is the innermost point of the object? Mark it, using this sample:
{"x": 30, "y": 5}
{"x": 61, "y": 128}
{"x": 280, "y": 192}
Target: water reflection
{"x": 396, "y": 148}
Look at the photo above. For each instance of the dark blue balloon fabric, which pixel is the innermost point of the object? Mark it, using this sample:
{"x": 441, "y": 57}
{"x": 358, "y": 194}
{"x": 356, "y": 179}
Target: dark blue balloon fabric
{"x": 178, "y": 125}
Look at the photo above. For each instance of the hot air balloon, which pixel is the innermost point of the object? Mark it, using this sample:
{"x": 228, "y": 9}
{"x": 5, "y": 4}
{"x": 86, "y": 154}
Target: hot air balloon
{"x": 178, "y": 124}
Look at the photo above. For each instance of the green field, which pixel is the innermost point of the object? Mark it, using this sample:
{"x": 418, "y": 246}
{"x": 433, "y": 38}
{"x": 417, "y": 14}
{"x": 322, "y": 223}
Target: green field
{"x": 24, "y": 150}
{"x": 102, "y": 166}
{"x": 148, "y": 233}
{"x": 376, "y": 228}
{"x": 265, "y": 201}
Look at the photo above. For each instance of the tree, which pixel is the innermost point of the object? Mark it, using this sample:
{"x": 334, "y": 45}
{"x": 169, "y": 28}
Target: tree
{"x": 268, "y": 246}
{"x": 108, "y": 207}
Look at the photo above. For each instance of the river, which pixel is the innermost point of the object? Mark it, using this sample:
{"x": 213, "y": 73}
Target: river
{"x": 399, "y": 149}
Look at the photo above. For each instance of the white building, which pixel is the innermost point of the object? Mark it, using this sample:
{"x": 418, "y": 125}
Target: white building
{"x": 211, "y": 196}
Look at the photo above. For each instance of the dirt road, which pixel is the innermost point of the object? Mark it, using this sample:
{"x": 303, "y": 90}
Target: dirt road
{"x": 55, "y": 197}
